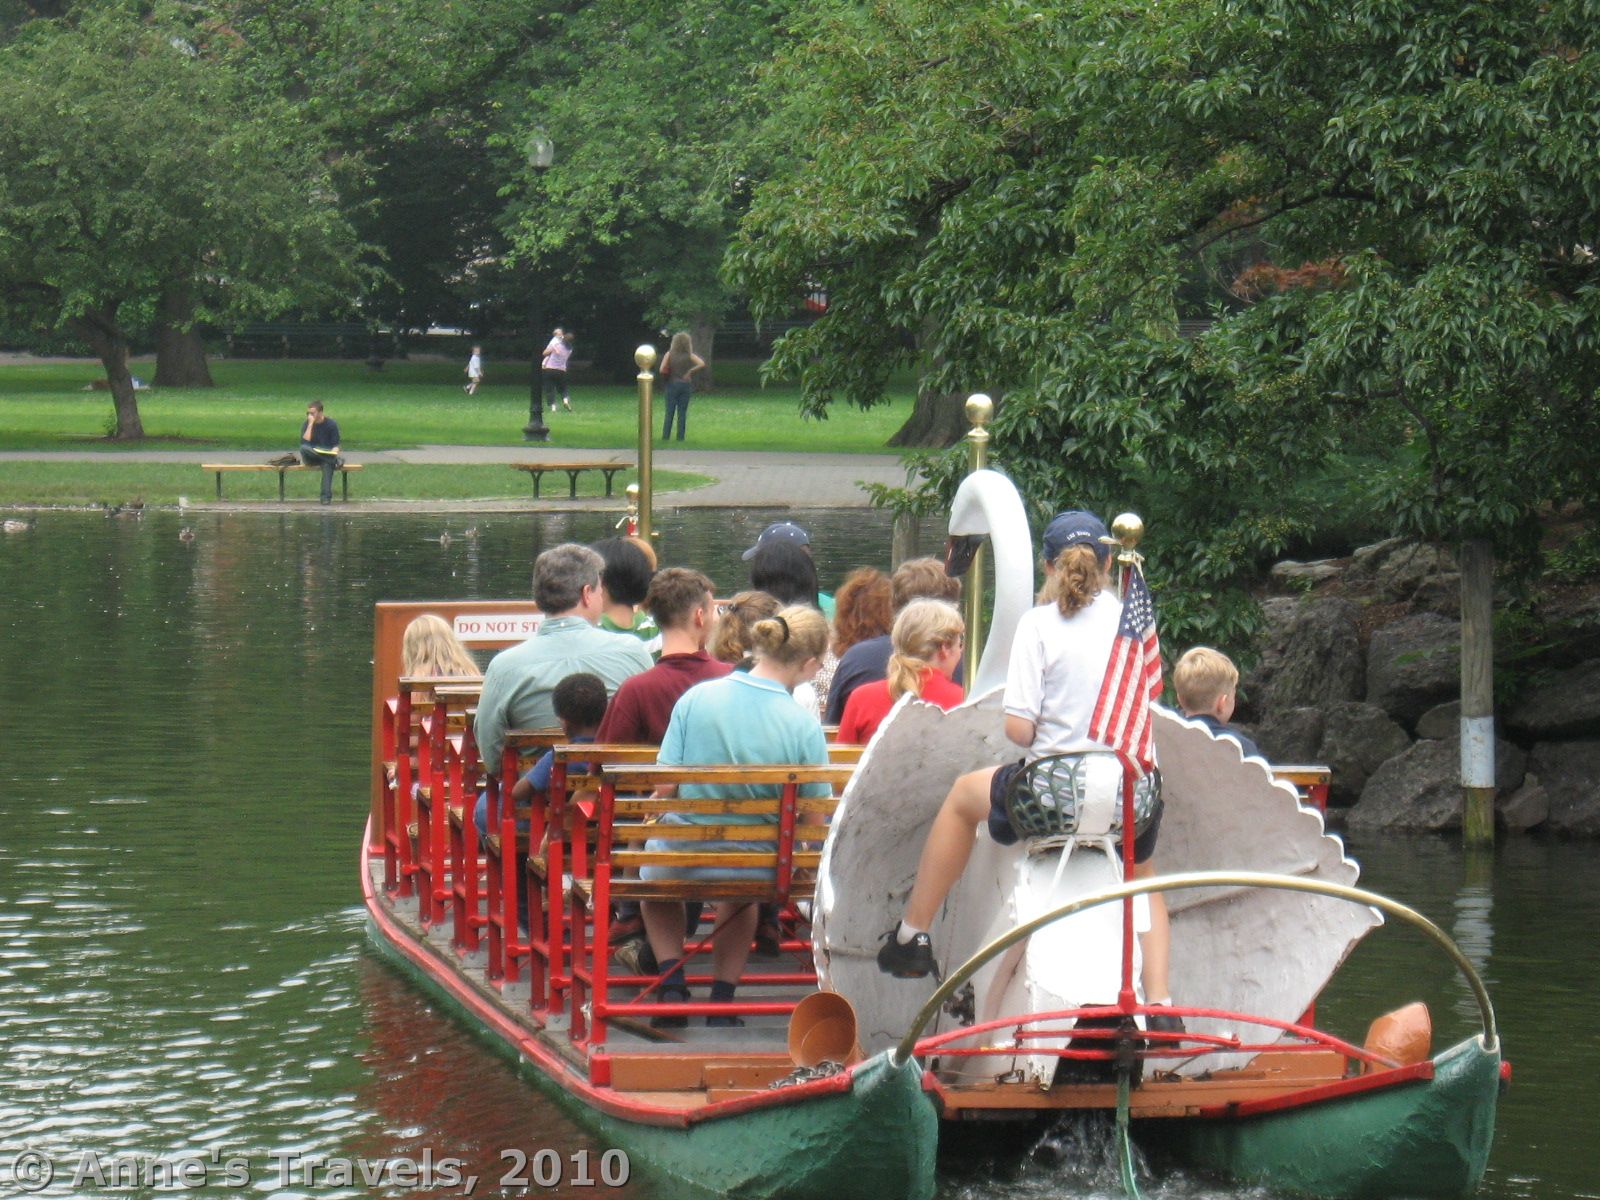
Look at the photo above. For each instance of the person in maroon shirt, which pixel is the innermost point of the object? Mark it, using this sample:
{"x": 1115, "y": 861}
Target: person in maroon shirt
{"x": 685, "y": 611}
{"x": 681, "y": 602}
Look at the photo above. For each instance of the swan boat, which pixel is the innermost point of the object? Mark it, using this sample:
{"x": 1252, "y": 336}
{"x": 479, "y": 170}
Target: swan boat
{"x": 843, "y": 1081}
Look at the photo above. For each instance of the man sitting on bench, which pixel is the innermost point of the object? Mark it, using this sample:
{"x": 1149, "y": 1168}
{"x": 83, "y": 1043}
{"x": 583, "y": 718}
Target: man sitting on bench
{"x": 319, "y": 446}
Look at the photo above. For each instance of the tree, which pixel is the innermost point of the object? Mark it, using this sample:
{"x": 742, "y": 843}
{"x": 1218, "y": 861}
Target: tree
{"x": 1016, "y": 198}
{"x": 649, "y": 105}
{"x": 137, "y": 170}
{"x": 403, "y": 94}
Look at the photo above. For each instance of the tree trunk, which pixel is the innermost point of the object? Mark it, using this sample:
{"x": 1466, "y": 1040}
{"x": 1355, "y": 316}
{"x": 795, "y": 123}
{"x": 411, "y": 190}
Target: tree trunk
{"x": 1477, "y": 692}
{"x": 704, "y": 336}
{"x": 180, "y": 354}
{"x": 937, "y": 421}
{"x": 105, "y": 337}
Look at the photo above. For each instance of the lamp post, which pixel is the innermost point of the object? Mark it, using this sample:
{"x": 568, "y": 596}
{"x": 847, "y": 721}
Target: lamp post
{"x": 541, "y": 153}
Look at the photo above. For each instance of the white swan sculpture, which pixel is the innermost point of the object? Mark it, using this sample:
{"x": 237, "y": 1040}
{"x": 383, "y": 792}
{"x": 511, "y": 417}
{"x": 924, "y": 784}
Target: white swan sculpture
{"x": 1266, "y": 953}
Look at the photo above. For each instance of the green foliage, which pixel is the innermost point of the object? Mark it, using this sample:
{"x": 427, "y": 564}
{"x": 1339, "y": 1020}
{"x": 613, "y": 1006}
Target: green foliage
{"x": 1021, "y": 196}
{"x": 649, "y": 107}
{"x": 132, "y": 159}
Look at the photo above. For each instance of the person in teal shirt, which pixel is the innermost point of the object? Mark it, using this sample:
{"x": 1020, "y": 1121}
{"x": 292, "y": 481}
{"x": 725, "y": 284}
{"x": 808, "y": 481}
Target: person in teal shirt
{"x": 746, "y": 717}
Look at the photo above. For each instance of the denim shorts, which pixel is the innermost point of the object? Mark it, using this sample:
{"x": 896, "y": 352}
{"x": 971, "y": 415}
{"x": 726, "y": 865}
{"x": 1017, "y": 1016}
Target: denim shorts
{"x": 1144, "y": 844}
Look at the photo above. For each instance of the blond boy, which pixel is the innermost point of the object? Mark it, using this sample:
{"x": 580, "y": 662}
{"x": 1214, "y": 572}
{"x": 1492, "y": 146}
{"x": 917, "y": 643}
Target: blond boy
{"x": 1207, "y": 683}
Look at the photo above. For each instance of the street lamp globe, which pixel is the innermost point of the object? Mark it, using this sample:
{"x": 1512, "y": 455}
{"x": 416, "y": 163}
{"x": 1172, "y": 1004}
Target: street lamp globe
{"x": 541, "y": 150}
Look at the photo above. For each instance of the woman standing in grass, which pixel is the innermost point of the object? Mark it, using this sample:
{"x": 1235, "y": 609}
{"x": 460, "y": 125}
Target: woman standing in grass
{"x": 680, "y": 363}
{"x": 554, "y": 367}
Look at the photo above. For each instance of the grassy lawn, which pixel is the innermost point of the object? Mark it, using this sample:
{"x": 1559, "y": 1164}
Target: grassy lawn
{"x": 258, "y": 405}
{"x": 113, "y": 482}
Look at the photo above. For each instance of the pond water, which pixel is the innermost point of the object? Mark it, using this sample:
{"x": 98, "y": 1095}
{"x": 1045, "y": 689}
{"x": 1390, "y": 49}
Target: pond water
{"x": 183, "y": 966}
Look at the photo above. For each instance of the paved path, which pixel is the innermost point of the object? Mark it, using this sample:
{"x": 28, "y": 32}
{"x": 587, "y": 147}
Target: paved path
{"x": 751, "y": 479}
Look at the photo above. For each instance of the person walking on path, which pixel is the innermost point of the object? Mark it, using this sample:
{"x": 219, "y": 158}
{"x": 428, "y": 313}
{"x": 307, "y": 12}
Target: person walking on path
{"x": 680, "y": 363}
{"x": 554, "y": 367}
{"x": 319, "y": 446}
{"x": 474, "y": 371}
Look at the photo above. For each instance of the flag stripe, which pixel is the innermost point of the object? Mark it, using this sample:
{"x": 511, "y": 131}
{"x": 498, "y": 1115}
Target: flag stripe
{"x": 1121, "y": 717}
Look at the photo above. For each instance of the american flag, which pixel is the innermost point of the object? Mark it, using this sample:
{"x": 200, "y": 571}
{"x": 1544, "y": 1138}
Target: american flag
{"x": 1133, "y": 678}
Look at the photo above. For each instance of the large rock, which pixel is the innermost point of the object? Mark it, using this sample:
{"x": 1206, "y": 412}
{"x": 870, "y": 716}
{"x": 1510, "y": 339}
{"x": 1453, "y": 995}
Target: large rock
{"x": 1570, "y": 773}
{"x": 1310, "y": 655}
{"x": 1357, "y": 739}
{"x": 1291, "y": 736}
{"x": 1414, "y": 664}
{"x": 1421, "y": 788}
{"x": 1291, "y": 571}
{"x": 1421, "y": 574}
{"x": 1526, "y": 808}
{"x": 1364, "y": 563}
{"x": 1561, "y": 704}
{"x": 1440, "y": 721}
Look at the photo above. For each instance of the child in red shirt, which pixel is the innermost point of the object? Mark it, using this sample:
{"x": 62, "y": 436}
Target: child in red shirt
{"x": 927, "y": 640}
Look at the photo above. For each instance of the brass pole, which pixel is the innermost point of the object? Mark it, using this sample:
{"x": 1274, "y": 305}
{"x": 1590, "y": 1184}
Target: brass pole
{"x": 645, "y": 357}
{"x": 980, "y": 410}
{"x": 1197, "y": 879}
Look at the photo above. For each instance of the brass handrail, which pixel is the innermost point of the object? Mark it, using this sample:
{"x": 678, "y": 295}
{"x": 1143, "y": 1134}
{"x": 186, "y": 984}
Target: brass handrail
{"x": 1199, "y": 879}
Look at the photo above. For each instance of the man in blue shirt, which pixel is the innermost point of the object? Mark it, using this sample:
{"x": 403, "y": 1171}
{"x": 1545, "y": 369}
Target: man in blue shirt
{"x": 319, "y": 446}
{"x": 519, "y": 686}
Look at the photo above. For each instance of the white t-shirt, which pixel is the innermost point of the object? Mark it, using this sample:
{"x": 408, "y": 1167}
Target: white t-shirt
{"x": 1057, "y": 666}
{"x": 474, "y": 367}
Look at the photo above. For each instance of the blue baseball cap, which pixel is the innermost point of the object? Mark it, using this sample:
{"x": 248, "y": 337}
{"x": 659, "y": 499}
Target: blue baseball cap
{"x": 782, "y": 531}
{"x": 1076, "y": 528}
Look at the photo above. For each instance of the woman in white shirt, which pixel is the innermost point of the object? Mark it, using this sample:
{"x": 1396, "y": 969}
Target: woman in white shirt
{"x": 1058, "y": 662}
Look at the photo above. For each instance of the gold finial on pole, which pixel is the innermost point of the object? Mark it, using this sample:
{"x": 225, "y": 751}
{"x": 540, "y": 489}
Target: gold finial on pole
{"x": 980, "y": 411}
{"x": 630, "y": 519}
{"x": 645, "y": 357}
{"x": 1128, "y": 529}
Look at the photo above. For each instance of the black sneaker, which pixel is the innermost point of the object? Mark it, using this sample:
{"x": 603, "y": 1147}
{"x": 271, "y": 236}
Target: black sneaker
{"x": 1164, "y": 1023}
{"x": 670, "y": 995}
{"x": 906, "y": 960}
{"x": 724, "y": 1021}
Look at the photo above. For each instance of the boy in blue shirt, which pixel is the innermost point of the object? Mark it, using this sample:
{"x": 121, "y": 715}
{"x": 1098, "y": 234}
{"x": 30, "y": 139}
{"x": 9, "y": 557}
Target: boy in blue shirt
{"x": 580, "y": 704}
{"x": 1207, "y": 683}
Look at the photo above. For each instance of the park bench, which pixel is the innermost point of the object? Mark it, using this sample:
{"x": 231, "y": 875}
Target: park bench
{"x": 573, "y": 470}
{"x": 344, "y": 470}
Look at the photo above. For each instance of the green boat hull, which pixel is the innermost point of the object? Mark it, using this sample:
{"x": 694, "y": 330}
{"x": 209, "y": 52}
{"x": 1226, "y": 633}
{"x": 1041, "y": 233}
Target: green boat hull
{"x": 1428, "y": 1139}
{"x": 879, "y": 1139}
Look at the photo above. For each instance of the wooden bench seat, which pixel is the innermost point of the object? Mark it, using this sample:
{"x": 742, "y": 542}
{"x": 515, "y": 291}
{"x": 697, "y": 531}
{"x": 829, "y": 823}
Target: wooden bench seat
{"x": 344, "y": 470}
{"x": 784, "y": 849}
{"x": 573, "y": 470}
